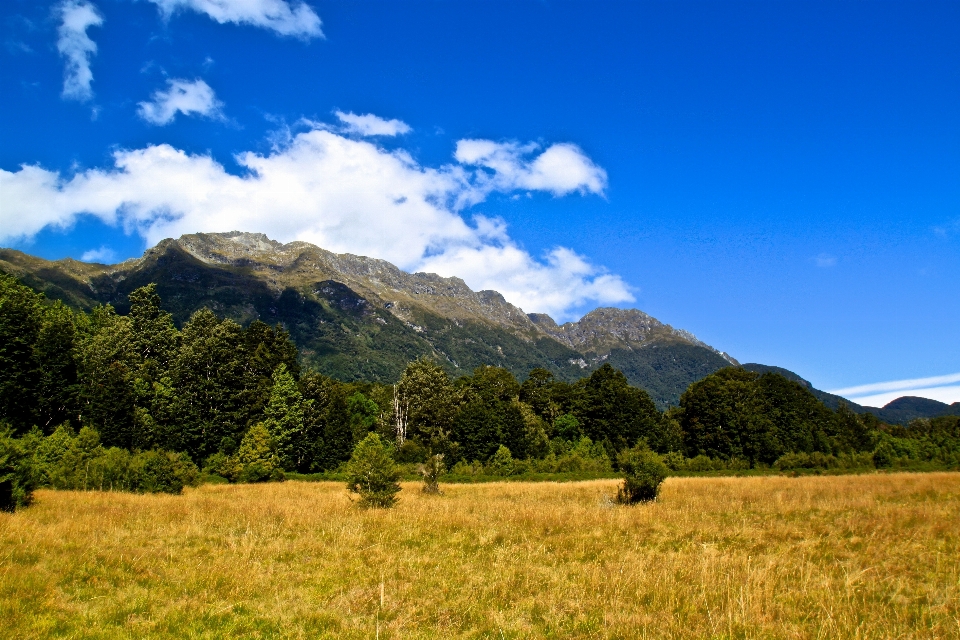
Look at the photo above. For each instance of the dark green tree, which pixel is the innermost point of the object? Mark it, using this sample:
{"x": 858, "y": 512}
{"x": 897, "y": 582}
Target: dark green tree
{"x": 21, "y": 318}
{"x": 285, "y": 420}
{"x": 107, "y": 367}
{"x": 326, "y": 421}
{"x": 428, "y": 401}
{"x": 725, "y": 416}
{"x": 17, "y": 473}
{"x": 372, "y": 473}
{"x": 611, "y": 410}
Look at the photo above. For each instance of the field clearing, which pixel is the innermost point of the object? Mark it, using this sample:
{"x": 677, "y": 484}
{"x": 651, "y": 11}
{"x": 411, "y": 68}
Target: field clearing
{"x": 869, "y": 556}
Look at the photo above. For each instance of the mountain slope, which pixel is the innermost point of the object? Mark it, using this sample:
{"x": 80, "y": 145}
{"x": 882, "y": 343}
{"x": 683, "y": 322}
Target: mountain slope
{"x": 355, "y": 317}
{"x": 899, "y": 411}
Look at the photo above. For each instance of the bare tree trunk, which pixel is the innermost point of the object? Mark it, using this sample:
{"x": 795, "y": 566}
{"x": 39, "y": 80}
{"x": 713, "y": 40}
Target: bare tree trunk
{"x": 399, "y": 416}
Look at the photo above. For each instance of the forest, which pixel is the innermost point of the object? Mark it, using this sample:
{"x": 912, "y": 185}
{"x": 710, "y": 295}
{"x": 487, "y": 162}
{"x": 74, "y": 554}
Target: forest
{"x": 132, "y": 402}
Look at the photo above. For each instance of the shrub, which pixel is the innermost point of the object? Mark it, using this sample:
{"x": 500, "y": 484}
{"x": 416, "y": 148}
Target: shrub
{"x": 501, "y": 464}
{"x": 701, "y": 463}
{"x": 675, "y": 461}
{"x": 373, "y": 474}
{"x": 644, "y": 471}
{"x": 256, "y": 459}
{"x": 155, "y": 472}
{"x": 884, "y": 455}
{"x": 221, "y": 465}
{"x": 431, "y": 470}
{"x": 412, "y": 451}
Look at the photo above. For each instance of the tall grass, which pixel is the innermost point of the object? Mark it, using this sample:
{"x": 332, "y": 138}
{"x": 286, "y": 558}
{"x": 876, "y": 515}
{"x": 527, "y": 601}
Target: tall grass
{"x": 872, "y": 556}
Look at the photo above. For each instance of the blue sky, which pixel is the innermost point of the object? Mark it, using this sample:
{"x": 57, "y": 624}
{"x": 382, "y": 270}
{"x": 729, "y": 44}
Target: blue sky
{"x": 780, "y": 178}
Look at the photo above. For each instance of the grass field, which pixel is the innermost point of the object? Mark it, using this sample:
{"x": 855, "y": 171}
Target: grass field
{"x": 869, "y": 556}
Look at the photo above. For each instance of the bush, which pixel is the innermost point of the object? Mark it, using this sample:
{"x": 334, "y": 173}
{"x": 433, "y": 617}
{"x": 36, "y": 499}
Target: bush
{"x": 373, "y": 474}
{"x": 155, "y": 472}
{"x": 431, "y": 470}
{"x": 644, "y": 472}
{"x": 17, "y": 476}
{"x": 701, "y": 463}
{"x": 884, "y": 455}
{"x": 675, "y": 461}
{"x": 501, "y": 464}
{"x": 256, "y": 459}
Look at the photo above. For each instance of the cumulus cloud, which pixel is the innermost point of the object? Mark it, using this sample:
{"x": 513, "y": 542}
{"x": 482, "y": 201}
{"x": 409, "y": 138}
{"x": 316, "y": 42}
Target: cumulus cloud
{"x": 76, "y": 47}
{"x": 181, "y": 96}
{"x": 103, "y": 255}
{"x": 295, "y": 19}
{"x": 560, "y": 169}
{"x": 371, "y": 125}
{"x": 341, "y": 193}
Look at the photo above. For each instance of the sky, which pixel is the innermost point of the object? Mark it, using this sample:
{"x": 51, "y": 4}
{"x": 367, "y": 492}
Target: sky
{"x": 780, "y": 178}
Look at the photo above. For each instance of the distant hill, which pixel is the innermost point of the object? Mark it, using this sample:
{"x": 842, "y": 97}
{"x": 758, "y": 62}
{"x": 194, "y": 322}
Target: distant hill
{"x": 899, "y": 411}
{"x": 354, "y": 317}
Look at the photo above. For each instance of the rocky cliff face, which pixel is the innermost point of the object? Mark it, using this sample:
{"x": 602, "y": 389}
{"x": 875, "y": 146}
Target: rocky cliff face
{"x": 398, "y": 291}
{"x": 608, "y": 328}
{"x": 355, "y": 317}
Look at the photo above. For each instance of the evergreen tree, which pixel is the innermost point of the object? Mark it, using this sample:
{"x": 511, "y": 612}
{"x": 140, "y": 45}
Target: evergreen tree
{"x": 107, "y": 367}
{"x": 21, "y": 318}
{"x": 372, "y": 473}
{"x": 206, "y": 375}
{"x": 57, "y": 387}
{"x": 326, "y": 421}
{"x": 154, "y": 338}
{"x": 284, "y": 420}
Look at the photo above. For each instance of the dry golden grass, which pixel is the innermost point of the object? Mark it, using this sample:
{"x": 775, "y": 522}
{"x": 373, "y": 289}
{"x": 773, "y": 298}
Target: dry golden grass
{"x": 874, "y": 556}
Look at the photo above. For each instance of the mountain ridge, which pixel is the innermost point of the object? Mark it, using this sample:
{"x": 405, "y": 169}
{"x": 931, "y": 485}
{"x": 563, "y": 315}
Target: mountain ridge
{"x": 356, "y": 317}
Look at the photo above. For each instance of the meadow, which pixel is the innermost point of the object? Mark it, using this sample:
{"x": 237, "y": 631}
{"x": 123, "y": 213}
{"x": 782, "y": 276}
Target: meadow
{"x": 860, "y": 556}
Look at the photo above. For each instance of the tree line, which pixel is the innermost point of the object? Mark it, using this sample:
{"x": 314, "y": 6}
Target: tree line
{"x": 235, "y": 402}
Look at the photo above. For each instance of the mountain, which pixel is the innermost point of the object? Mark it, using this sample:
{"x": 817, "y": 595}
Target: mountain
{"x": 355, "y": 317}
{"x": 899, "y": 411}
{"x": 903, "y": 410}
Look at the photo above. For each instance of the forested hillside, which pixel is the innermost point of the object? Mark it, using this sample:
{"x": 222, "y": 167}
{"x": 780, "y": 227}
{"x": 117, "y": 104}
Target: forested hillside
{"x": 358, "y": 318}
{"x": 238, "y": 402}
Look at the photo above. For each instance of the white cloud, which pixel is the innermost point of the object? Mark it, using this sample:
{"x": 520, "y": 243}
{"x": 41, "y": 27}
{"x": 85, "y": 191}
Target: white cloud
{"x": 942, "y": 388}
{"x": 947, "y": 394}
{"x": 343, "y": 194}
{"x": 560, "y": 169}
{"x": 103, "y": 255}
{"x": 181, "y": 95}
{"x": 76, "y": 47}
{"x": 295, "y": 19}
{"x": 371, "y": 125}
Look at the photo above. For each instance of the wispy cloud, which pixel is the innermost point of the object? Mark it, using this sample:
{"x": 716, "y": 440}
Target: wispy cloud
{"x": 76, "y": 47}
{"x": 942, "y": 388}
{"x": 344, "y": 194}
{"x": 181, "y": 96}
{"x": 371, "y": 125}
{"x": 825, "y": 260}
{"x": 295, "y": 19}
